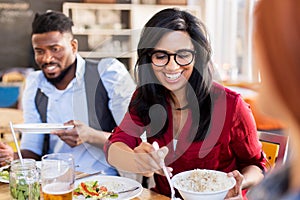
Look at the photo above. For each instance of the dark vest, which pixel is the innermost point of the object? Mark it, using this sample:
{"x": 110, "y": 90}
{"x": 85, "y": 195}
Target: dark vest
{"x": 100, "y": 116}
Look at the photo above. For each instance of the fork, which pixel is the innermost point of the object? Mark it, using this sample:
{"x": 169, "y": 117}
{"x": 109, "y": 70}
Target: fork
{"x": 164, "y": 168}
{"x": 84, "y": 175}
{"x": 129, "y": 190}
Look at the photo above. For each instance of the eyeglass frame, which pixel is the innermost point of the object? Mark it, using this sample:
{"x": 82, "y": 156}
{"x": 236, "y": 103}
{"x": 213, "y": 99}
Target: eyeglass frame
{"x": 193, "y": 52}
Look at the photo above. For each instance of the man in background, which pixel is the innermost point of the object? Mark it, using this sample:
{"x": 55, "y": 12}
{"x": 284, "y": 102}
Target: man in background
{"x": 92, "y": 96}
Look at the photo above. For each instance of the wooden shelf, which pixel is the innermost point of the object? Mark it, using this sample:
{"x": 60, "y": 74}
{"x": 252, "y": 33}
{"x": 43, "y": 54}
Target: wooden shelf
{"x": 102, "y": 32}
{"x": 95, "y": 54}
{"x": 113, "y": 30}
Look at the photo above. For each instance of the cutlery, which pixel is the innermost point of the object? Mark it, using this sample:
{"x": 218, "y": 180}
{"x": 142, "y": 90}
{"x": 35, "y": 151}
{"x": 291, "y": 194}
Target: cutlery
{"x": 84, "y": 175}
{"x": 129, "y": 190}
{"x": 164, "y": 168}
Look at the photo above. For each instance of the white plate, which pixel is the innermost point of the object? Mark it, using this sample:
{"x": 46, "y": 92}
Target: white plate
{"x": 40, "y": 127}
{"x": 2, "y": 179}
{"x": 115, "y": 184}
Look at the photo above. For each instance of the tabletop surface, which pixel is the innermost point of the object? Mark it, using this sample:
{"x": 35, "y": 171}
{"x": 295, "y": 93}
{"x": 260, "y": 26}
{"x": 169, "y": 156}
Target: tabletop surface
{"x": 146, "y": 194}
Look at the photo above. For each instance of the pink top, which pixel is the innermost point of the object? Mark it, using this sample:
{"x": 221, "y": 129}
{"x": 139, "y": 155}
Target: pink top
{"x": 232, "y": 143}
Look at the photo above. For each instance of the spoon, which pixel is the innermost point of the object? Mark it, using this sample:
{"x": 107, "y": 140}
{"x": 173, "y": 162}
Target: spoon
{"x": 164, "y": 168}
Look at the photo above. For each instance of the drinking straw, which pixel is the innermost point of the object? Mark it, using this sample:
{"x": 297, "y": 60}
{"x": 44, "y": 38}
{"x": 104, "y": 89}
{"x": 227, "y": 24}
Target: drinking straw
{"x": 16, "y": 142}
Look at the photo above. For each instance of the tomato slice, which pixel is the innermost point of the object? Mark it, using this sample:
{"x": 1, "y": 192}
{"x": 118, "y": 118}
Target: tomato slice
{"x": 84, "y": 187}
{"x": 103, "y": 188}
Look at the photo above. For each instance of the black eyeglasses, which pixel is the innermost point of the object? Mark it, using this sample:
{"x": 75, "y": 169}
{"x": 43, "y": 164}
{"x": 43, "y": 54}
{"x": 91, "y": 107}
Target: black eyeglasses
{"x": 182, "y": 57}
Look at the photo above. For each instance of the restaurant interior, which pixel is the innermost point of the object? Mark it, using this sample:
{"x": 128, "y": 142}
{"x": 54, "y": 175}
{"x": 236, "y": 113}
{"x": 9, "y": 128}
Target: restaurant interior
{"x": 110, "y": 28}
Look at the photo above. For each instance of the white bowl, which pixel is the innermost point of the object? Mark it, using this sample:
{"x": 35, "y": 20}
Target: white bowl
{"x": 207, "y": 184}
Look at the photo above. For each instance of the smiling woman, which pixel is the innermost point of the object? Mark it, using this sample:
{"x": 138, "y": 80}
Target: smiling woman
{"x": 213, "y": 129}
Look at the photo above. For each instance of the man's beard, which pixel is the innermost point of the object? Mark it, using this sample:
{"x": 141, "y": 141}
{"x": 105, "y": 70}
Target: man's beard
{"x": 62, "y": 75}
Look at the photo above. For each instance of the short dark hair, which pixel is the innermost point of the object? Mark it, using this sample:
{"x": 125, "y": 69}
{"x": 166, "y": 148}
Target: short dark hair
{"x": 51, "y": 21}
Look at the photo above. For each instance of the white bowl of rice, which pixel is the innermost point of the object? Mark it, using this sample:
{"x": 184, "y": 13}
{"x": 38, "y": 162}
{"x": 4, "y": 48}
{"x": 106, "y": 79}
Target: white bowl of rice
{"x": 203, "y": 184}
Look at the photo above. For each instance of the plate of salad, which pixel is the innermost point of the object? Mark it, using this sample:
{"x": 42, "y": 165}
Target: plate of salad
{"x": 4, "y": 174}
{"x": 106, "y": 188}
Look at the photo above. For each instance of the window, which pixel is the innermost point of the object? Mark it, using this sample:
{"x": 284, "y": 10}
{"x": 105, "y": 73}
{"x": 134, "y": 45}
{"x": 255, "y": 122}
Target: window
{"x": 229, "y": 24}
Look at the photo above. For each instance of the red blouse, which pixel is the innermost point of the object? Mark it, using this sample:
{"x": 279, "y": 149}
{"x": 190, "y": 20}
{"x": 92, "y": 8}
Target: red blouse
{"x": 231, "y": 144}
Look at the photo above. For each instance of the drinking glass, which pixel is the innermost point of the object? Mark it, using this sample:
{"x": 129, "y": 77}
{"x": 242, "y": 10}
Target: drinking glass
{"x": 24, "y": 180}
{"x": 58, "y": 176}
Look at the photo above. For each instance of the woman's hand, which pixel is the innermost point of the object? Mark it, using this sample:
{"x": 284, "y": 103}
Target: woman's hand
{"x": 6, "y": 154}
{"x": 148, "y": 160}
{"x": 236, "y": 192}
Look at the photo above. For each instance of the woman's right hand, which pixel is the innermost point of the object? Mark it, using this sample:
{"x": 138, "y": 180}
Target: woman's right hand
{"x": 148, "y": 159}
{"x": 6, "y": 154}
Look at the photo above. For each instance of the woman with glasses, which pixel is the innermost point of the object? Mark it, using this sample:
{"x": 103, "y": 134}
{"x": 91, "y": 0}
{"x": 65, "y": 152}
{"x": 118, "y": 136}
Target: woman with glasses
{"x": 196, "y": 122}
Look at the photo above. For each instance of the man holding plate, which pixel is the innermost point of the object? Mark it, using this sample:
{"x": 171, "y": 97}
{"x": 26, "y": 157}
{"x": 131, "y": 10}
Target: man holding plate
{"x": 69, "y": 90}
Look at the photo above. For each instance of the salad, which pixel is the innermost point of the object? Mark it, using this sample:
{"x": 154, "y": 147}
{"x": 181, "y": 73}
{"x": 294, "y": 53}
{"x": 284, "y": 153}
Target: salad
{"x": 92, "y": 190}
{"x": 4, "y": 173}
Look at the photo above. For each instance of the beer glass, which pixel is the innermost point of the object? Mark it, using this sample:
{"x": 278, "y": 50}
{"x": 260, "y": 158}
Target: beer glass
{"x": 58, "y": 176}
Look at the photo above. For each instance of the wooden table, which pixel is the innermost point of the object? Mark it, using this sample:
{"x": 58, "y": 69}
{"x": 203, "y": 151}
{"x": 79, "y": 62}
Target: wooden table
{"x": 146, "y": 194}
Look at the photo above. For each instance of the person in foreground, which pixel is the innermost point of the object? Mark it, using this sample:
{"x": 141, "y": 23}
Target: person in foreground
{"x": 197, "y": 122}
{"x": 277, "y": 46}
{"x": 71, "y": 90}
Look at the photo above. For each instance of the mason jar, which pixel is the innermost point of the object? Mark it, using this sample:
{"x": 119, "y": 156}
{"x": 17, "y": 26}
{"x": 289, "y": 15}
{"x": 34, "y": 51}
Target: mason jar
{"x": 24, "y": 180}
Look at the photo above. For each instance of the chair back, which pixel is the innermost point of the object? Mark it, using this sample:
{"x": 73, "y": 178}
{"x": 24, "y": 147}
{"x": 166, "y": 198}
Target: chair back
{"x": 9, "y": 96}
{"x": 275, "y": 146}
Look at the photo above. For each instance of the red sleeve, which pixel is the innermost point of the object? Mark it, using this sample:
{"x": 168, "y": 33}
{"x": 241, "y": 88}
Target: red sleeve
{"x": 245, "y": 141}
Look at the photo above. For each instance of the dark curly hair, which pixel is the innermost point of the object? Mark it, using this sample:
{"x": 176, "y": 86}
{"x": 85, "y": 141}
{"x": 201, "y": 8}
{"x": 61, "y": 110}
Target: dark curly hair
{"x": 150, "y": 92}
{"x": 51, "y": 21}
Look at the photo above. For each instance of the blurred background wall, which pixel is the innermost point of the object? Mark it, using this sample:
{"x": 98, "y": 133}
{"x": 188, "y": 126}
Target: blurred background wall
{"x": 15, "y": 29}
